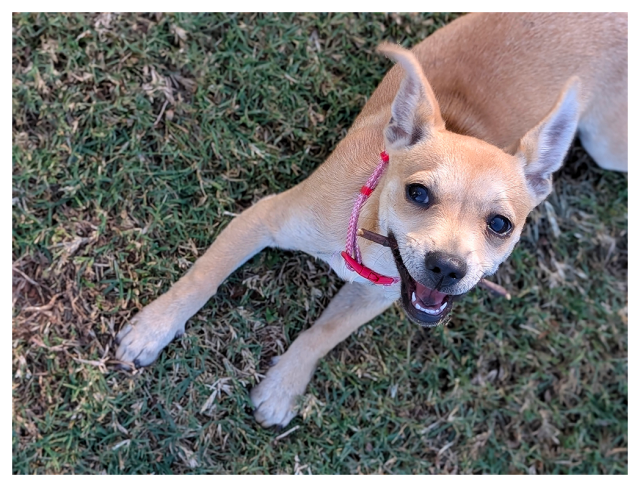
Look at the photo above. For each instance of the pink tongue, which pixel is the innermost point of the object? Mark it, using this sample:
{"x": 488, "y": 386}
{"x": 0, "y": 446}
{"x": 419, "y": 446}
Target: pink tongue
{"x": 429, "y": 297}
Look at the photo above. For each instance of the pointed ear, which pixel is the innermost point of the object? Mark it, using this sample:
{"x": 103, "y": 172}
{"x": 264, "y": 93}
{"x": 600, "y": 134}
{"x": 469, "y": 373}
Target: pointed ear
{"x": 544, "y": 147}
{"x": 414, "y": 112}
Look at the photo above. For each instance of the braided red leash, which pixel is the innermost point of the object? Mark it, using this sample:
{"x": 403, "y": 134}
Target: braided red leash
{"x": 352, "y": 255}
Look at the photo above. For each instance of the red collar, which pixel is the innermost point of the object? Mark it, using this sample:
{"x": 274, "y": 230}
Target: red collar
{"x": 352, "y": 255}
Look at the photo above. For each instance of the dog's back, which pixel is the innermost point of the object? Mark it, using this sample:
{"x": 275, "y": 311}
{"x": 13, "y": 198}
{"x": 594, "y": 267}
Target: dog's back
{"x": 497, "y": 75}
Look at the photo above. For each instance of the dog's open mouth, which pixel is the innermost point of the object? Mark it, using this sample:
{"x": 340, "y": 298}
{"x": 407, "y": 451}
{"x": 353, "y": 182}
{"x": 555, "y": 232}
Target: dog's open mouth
{"x": 425, "y": 306}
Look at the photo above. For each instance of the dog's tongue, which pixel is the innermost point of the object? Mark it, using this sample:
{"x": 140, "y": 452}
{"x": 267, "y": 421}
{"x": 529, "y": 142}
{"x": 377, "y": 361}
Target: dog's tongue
{"x": 429, "y": 297}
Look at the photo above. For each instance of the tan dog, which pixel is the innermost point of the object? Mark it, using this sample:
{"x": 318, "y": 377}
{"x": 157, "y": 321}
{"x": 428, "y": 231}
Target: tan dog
{"x": 465, "y": 170}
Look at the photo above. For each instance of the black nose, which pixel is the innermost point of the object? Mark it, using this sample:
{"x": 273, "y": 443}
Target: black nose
{"x": 445, "y": 269}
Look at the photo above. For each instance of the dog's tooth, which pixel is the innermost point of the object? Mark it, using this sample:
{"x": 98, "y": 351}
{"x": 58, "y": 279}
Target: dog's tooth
{"x": 426, "y": 310}
{"x": 413, "y": 297}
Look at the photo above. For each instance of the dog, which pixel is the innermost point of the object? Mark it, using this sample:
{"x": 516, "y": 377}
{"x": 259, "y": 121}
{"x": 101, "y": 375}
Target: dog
{"x": 447, "y": 158}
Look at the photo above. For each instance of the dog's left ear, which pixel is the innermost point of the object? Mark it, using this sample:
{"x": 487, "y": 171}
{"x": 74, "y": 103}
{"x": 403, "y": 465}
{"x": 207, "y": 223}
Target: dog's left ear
{"x": 414, "y": 112}
{"x": 544, "y": 147}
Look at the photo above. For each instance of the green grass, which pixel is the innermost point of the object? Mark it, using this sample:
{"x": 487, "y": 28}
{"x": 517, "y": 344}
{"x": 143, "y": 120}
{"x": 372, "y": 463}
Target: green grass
{"x": 134, "y": 139}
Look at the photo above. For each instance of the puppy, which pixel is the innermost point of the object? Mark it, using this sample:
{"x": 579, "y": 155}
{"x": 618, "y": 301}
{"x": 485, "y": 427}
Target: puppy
{"x": 452, "y": 151}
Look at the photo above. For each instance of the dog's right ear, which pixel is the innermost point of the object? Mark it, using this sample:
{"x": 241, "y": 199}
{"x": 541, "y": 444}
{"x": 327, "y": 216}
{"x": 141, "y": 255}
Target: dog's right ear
{"x": 414, "y": 112}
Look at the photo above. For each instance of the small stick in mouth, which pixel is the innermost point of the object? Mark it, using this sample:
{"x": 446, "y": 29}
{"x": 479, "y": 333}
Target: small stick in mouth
{"x": 374, "y": 237}
{"x": 496, "y": 288}
{"x": 386, "y": 242}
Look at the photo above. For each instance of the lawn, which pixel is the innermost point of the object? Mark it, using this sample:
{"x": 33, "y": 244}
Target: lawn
{"x": 136, "y": 138}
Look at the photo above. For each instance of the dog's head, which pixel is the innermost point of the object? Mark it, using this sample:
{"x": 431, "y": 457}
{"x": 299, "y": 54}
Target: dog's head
{"x": 456, "y": 205}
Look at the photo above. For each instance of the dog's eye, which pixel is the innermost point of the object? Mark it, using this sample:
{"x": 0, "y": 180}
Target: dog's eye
{"x": 418, "y": 193}
{"x": 500, "y": 224}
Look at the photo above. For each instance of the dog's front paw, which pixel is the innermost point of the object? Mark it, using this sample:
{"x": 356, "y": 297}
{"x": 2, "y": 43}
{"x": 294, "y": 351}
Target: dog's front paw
{"x": 275, "y": 397}
{"x": 141, "y": 341}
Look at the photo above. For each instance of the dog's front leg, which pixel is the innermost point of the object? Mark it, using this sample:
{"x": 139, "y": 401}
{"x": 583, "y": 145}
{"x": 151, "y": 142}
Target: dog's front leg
{"x": 355, "y": 304}
{"x": 264, "y": 224}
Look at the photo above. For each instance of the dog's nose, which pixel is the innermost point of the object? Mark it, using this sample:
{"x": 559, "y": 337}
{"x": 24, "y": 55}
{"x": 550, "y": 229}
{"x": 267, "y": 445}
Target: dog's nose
{"x": 445, "y": 269}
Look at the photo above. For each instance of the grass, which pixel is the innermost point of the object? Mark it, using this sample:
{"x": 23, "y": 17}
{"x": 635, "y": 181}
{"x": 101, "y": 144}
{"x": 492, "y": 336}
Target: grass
{"x": 135, "y": 137}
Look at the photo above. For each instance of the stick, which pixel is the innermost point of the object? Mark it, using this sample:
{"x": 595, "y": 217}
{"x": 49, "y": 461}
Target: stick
{"x": 496, "y": 288}
{"x": 374, "y": 237}
{"x": 386, "y": 242}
